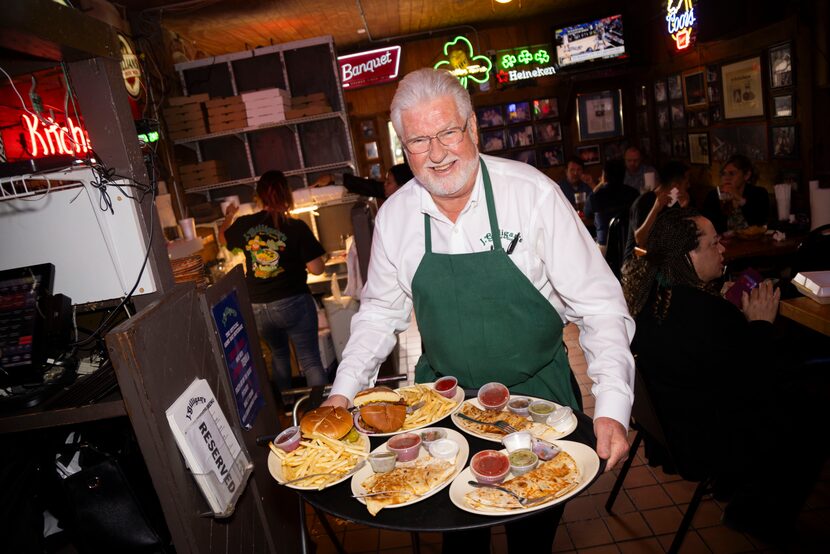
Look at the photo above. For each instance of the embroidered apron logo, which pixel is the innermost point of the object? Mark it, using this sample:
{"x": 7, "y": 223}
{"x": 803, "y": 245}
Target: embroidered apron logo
{"x": 504, "y": 235}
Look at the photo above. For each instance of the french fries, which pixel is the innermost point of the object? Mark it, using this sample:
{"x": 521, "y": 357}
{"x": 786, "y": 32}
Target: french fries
{"x": 435, "y": 406}
{"x": 319, "y": 454}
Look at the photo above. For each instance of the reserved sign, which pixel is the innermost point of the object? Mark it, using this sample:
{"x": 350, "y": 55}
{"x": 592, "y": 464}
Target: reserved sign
{"x": 374, "y": 67}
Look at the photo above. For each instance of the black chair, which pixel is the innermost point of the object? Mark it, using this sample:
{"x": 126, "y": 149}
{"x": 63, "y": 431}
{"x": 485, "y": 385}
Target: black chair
{"x": 615, "y": 247}
{"x": 647, "y": 424}
{"x": 813, "y": 253}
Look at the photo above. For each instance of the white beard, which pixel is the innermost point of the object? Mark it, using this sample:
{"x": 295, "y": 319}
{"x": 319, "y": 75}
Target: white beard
{"x": 451, "y": 184}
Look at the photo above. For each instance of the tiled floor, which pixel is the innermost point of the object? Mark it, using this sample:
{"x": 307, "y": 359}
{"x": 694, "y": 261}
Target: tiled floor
{"x": 646, "y": 513}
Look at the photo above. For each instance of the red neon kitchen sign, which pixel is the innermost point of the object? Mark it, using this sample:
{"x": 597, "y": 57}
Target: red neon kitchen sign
{"x": 374, "y": 67}
{"x": 46, "y": 138}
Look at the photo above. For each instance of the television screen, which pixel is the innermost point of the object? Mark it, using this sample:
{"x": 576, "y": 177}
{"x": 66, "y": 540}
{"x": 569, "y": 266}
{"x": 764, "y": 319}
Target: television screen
{"x": 593, "y": 40}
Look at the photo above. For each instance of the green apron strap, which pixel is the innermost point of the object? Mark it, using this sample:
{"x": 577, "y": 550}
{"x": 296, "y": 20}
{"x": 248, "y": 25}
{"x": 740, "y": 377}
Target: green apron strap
{"x": 427, "y": 235}
{"x": 491, "y": 207}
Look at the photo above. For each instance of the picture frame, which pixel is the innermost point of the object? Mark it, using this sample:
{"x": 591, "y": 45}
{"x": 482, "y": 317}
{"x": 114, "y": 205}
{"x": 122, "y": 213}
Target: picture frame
{"x": 551, "y": 156}
{"x": 367, "y": 129}
{"x": 749, "y": 140}
{"x": 784, "y": 142}
{"x": 663, "y": 117}
{"x": 783, "y": 106}
{"x": 715, "y": 114}
{"x": 694, "y": 89}
{"x": 781, "y": 66}
{"x": 664, "y": 144}
{"x": 614, "y": 150}
{"x": 489, "y": 116}
{"x": 527, "y": 156}
{"x": 675, "y": 87}
{"x": 493, "y": 140}
{"x": 590, "y": 155}
{"x": 599, "y": 115}
{"x": 680, "y": 146}
{"x": 371, "y": 150}
{"x": 713, "y": 93}
{"x": 743, "y": 92}
{"x": 712, "y": 73}
{"x": 698, "y": 148}
{"x": 544, "y": 108}
{"x": 548, "y": 131}
{"x": 678, "y": 115}
{"x": 374, "y": 172}
{"x": 660, "y": 92}
{"x": 519, "y": 136}
{"x": 517, "y": 112}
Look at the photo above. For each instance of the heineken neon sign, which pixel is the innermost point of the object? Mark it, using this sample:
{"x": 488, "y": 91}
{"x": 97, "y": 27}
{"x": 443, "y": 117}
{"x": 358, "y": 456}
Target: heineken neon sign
{"x": 461, "y": 62}
{"x": 680, "y": 22}
{"x": 526, "y": 62}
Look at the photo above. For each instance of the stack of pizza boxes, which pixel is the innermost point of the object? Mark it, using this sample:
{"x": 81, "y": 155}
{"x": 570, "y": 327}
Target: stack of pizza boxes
{"x": 266, "y": 106}
{"x": 304, "y": 106}
{"x": 185, "y": 117}
{"x": 226, "y": 114}
{"x": 202, "y": 174}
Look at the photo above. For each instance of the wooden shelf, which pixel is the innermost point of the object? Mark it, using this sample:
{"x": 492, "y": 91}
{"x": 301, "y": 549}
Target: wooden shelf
{"x": 35, "y": 418}
{"x": 286, "y": 123}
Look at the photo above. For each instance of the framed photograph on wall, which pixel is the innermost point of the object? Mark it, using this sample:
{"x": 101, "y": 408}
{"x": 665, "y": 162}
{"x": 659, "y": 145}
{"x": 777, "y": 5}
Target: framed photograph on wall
{"x": 599, "y": 115}
{"x": 679, "y": 148}
{"x": 489, "y": 116}
{"x": 551, "y": 156}
{"x": 783, "y": 106}
{"x": 520, "y": 135}
{"x": 545, "y": 107}
{"x": 784, "y": 142}
{"x": 749, "y": 140}
{"x": 712, "y": 74}
{"x": 589, "y": 154}
{"x": 675, "y": 87}
{"x": 694, "y": 89}
{"x": 664, "y": 144}
{"x": 781, "y": 66}
{"x": 663, "y": 118}
{"x": 517, "y": 112}
{"x": 678, "y": 116}
{"x": 743, "y": 94}
{"x": 367, "y": 129}
{"x": 527, "y": 156}
{"x": 371, "y": 150}
{"x": 715, "y": 114}
{"x": 713, "y": 93}
{"x": 548, "y": 131}
{"x": 493, "y": 140}
{"x": 699, "y": 148}
{"x": 660, "y": 93}
{"x": 374, "y": 171}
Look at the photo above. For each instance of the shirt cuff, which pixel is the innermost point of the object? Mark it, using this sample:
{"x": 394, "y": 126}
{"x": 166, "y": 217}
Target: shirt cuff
{"x": 615, "y": 405}
{"x": 346, "y": 386}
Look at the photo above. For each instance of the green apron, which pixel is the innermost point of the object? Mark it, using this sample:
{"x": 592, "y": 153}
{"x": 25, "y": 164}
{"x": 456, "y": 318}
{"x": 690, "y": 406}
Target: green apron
{"x": 482, "y": 320}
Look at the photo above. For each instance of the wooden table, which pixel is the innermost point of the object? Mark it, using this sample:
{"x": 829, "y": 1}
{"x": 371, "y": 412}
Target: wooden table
{"x": 765, "y": 247}
{"x": 807, "y": 312}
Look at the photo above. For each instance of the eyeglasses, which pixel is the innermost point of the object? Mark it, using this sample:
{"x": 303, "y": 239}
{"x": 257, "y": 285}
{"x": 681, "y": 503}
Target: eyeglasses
{"x": 447, "y": 137}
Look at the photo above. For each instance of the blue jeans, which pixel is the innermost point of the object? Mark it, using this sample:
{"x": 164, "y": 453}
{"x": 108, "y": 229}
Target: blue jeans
{"x": 292, "y": 318}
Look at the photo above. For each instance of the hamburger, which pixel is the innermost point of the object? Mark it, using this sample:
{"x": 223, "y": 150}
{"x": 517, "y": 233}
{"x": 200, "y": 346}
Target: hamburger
{"x": 335, "y": 423}
{"x": 382, "y": 410}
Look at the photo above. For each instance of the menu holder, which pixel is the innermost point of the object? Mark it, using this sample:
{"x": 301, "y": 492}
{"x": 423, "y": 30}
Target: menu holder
{"x": 219, "y": 463}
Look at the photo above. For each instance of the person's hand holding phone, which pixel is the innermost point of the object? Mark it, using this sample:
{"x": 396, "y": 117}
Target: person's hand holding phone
{"x": 761, "y": 303}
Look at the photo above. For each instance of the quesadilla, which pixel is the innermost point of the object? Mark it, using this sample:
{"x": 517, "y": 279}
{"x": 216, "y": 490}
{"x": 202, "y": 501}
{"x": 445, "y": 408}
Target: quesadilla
{"x": 518, "y": 422}
{"x": 549, "y": 481}
{"x": 406, "y": 482}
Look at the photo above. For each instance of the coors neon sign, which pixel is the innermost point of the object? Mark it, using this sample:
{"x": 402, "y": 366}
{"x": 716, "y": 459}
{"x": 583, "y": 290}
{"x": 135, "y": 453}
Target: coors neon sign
{"x": 374, "y": 67}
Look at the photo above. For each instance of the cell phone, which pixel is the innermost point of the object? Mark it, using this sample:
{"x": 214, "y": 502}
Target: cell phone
{"x": 747, "y": 280}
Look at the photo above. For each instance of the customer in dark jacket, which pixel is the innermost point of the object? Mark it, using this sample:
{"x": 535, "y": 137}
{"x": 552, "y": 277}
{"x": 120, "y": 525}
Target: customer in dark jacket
{"x": 610, "y": 199}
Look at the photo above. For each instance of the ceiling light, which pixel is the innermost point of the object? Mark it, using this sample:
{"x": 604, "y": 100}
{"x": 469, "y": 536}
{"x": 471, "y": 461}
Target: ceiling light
{"x": 361, "y": 31}
{"x": 504, "y": 1}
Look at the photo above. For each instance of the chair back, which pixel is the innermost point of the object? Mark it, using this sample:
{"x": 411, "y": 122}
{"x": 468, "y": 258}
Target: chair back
{"x": 813, "y": 253}
{"x": 615, "y": 246}
{"x": 644, "y": 413}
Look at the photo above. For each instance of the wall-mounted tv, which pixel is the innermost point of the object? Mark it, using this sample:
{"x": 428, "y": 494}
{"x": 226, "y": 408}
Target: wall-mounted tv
{"x": 600, "y": 39}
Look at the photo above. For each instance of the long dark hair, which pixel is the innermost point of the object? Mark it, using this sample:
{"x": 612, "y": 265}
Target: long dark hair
{"x": 666, "y": 264}
{"x": 272, "y": 188}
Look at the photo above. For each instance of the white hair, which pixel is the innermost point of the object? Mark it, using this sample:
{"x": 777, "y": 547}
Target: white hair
{"x": 424, "y": 85}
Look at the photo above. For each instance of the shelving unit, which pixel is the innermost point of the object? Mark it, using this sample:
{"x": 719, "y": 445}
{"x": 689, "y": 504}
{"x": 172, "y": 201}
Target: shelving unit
{"x": 302, "y": 148}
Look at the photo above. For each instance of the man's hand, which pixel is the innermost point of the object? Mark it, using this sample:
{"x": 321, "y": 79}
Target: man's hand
{"x": 612, "y": 441}
{"x": 338, "y": 401}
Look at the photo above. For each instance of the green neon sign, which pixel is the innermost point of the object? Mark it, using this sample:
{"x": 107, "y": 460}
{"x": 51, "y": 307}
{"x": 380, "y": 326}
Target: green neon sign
{"x": 528, "y": 55}
{"x": 463, "y": 64}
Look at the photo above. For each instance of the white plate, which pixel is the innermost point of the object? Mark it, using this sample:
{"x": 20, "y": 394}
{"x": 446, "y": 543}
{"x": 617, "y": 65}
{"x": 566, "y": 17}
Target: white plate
{"x": 586, "y": 460}
{"x": 460, "y": 460}
{"x": 458, "y": 399}
{"x": 555, "y": 433}
{"x": 275, "y": 467}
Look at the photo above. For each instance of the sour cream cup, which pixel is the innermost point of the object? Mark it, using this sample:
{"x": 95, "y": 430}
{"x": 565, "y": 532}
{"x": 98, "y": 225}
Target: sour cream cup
{"x": 444, "y": 449}
{"x": 517, "y": 441}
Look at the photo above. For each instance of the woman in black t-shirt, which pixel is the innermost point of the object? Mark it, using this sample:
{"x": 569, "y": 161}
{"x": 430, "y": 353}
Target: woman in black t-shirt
{"x": 279, "y": 251}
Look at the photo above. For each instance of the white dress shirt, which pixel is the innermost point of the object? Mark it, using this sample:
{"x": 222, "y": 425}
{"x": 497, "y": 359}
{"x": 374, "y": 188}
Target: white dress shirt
{"x": 555, "y": 252}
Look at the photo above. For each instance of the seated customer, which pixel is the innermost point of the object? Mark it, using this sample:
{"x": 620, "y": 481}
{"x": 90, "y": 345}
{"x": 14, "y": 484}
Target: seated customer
{"x": 672, "y": 176}
{"x": 610, "y": 198}
{"x": 738, "y": 202}
{"x": 712, "y": 373}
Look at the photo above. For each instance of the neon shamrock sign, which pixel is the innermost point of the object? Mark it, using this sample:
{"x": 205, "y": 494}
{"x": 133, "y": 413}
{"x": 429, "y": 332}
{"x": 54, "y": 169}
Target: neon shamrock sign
{"x": 463, "y": 64}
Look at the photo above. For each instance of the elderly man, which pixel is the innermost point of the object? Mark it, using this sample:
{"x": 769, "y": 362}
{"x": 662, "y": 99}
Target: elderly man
{"x": 635, "y": 169}
{"x": 493, "y": 259}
